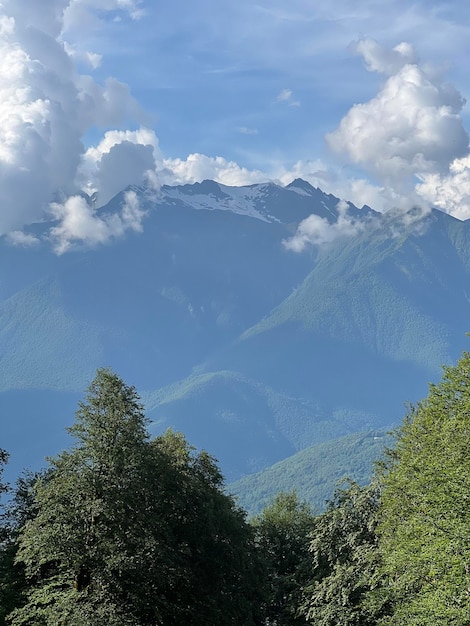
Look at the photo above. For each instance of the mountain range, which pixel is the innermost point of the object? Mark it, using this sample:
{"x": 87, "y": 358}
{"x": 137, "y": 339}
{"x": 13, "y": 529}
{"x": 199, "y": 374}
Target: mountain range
{"x": 257, "y": 349}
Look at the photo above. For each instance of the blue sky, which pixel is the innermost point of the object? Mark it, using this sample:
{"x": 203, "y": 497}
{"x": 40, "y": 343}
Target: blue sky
{"x": 205, "y": 72}
{"x": 365, "y": 99}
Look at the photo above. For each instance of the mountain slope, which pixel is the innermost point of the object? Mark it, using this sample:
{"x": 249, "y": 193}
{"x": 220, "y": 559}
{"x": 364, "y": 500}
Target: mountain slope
{"x": 366, "y": 330}
{"x": 246, "y": 424}
{"x": 153, "y": 304}
{"x": 314, "y": 472}
{"x": 253, "y": 350}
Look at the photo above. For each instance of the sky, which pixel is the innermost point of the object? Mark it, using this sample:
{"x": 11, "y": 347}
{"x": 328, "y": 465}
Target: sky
{"x": 364, "y": 99}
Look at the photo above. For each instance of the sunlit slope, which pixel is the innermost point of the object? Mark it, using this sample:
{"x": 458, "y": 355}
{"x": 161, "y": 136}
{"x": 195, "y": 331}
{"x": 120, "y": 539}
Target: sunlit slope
{"x": 402, "y": 296}
{"x": 313, "y": 472}
{"x": 371, "y": 324}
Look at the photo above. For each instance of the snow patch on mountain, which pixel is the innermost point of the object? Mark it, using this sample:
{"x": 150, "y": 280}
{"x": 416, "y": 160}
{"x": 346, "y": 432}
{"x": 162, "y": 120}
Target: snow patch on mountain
{"x": 249, "y": 201}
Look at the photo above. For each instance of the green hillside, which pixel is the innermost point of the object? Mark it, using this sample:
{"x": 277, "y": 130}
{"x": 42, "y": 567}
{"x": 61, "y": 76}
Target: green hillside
{"x": 400, "y": 296}
{"x": 43, "y": 347}
{"x": 245, "y": 424}
{"x": 314, "y": 472}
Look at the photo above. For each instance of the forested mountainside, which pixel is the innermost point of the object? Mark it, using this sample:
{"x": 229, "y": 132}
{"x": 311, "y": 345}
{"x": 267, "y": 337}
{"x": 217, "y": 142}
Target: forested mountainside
{"x": 254, "y": 349}
{"x": 314, "y": 472}
{"x": 123, "y": 528}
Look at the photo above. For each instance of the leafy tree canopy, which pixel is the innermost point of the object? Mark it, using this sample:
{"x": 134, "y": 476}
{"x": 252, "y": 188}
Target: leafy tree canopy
{"x": 425, "y": 513}
{"x": 343, "y": 560}
{"x": 283, "y": 534}
{"x": 132, "y": 532}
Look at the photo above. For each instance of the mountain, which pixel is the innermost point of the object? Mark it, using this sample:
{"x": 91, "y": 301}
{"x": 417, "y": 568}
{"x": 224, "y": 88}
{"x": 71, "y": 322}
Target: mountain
{"x": 255, "y": 351}
{"x": 314, "y": 472}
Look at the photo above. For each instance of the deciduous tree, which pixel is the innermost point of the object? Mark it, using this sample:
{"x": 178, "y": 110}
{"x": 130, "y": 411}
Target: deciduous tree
{"x": 343, "y": 561}
{"x": 283, "y": 534}
{"x": 133, "y": 532}
{"x": 425, "y": 515}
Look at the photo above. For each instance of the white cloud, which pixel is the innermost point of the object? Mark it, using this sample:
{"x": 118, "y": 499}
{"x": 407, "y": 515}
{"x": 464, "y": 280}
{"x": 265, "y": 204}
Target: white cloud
{"x": 410, "y": 137}
{"x": 198, "y": 167}
{"x": 412, "y": 127}
{"x": 82, "y": 14}
{"x": 450, "y": 192}
{"x": 46, "y": 107}
{"x": 316, "y": 230}
{"x": 90, "y": 58}
{"x": 287, "y": 97}
{"x": 383, "y": 60}
{"x": 121, "y": 158}
{"x": 80, "y": 223}
{"x": 24, "y": 240}
{"x": 315, "y": 172}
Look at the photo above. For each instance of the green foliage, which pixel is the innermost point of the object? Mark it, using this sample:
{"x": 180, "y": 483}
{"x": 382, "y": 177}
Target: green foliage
{"x": 19, "y": 510}
{"x": 218, "y": 575}
{"x": 3, "y": 460}
{"x": 314, "y": 472}
{"x": 132, "y": 532}
{"x": 282, "y": 532}
{"x": 343, "y": 561}
{"x": 425, "y": 515}
{"x": 5, "y": 560}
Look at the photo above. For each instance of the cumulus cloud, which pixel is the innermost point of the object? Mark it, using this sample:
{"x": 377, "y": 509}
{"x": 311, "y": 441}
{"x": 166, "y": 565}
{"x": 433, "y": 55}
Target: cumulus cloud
{"x": 46, "y": 107}
{"x": 316, "y": 230}
{"x": 121, "y": 158}
{"x": 410, "y": 136}
{"x": 85, "y": 56}
{"x": 450, "y": 192}
{"x": 78, "y": 222}
{"x": 413, "y": 126}
{"x": 384, "y": 60}
{"x": 197, "y": 167}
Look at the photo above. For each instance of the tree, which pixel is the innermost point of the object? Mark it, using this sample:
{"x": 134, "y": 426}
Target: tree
{"x": 6, "y": 562}
{"x": 425, "y": 515}
{"x": 219, "y": 575}
{"x": 3, "y": 489}
{"x": 283, "y": 534}
{"x": 80, "y": 548}
{"x": 132, "y": 532}
{"x": 18, "y": 510}
{"x": 344, "y": 561}
{"x": 3, "y": 461}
